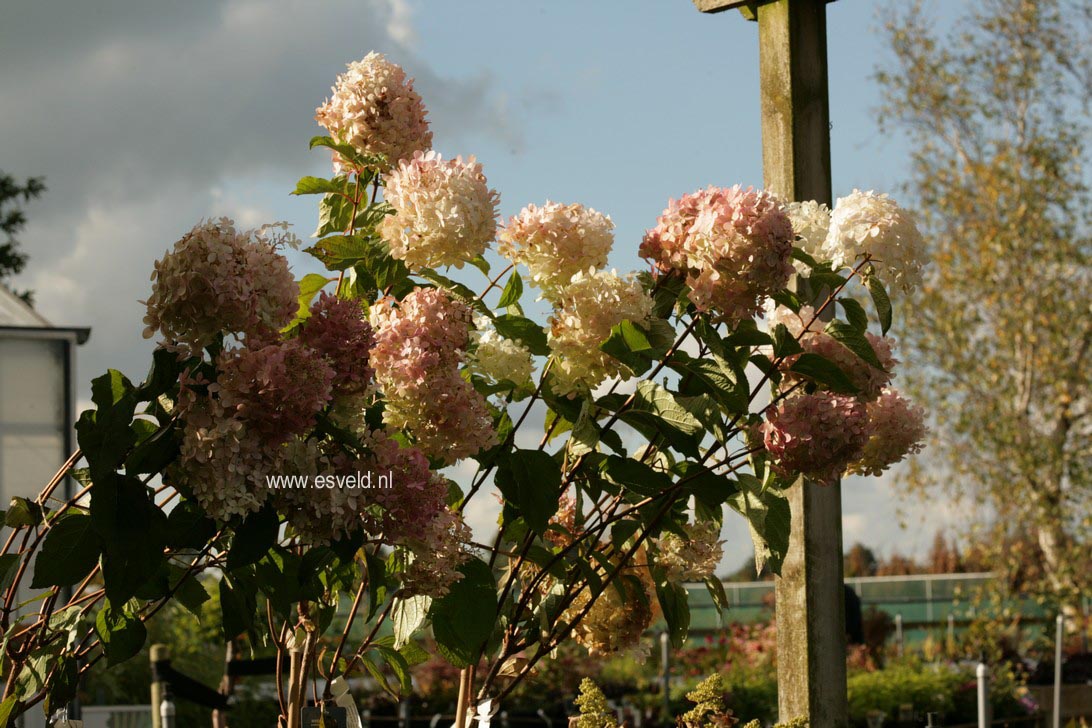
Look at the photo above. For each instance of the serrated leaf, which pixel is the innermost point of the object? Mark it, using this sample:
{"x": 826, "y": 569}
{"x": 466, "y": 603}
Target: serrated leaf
{"x": 408, "y": 615}
{"x": 855, "y": 313}
{"x": 881, "y": 301}
{"x": 531, "y": 480}
{"x": 121, "y": 633}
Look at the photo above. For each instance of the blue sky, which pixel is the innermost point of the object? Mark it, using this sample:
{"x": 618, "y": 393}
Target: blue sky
{"x": 147, "y": 116}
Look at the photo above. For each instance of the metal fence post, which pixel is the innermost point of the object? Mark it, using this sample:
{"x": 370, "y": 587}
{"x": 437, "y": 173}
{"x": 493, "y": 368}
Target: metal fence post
{"x": 1059, "y": 639}
{"x": 982, "y": 672}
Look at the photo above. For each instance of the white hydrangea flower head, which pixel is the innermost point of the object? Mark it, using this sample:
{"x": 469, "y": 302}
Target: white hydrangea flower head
{"x": 374, "y": 108}
{"x": 498, "y": 359}
{"x": 810, "y": 223}
{"x": 692, "y": 558}
{"x": 586, "y": 310}
{"x": 444, "y": 211}
{"x": 556, "y": 242}
{"x": 868, "y": 223}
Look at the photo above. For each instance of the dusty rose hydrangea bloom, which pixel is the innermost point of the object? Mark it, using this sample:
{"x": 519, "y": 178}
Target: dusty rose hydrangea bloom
{"x": 444, "y": 211}
{"x": 586, "y": 310}
{"x": 867, "y": 223}
{"x": 439, "y": 548}
{"x": 692, "y": 558}
{"x": 374, "y": 108}
{"x": 337, "y": 329}
{"x": 817, "y": 435}
{"x": 218, "y": 280}
{"x": 277, "y": 388}
{"x": 556, "y": 242}
{"x": 733, "y": 246}
{"x": 419, "y": 346}
{"x": 898, "y": 429}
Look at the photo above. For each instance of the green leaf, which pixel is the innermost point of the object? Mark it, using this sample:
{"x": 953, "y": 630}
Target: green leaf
{"x": 713, "y": 376}
{"x": 855, "y": 313}
{"x": 512, "y": 291}
{"x": 190, "y": 592}
{"x": 480, "y": 263}
{"x": 855, "y": 341}
{"x": 785, "y": 344}
{"x": 634, "y": 475}
{"x": 132, "y": 530}
{"x": 716, "y": 592}
{"x": 338, "y": 252}
{"x": 104, "y": 434}
{"x": 823, "y": 371}
{"x": 319, "y": 185}
{"x": 655, "y": 411}
{"x": 154, "y": 453}
{"x": 5, "y": 710}
{"x": 881, "y": 301}
{"x": 523, "y": 330}
{"x": 69, "y": 553}
{"x": 121, "y": 633}
{"x": 237, "y": 607}
{"x": 253, "y": 538}
{"x": 398, "y": 665}
{"x": 334, "y": 212}
{"x": 162, "y": 376}
{"x": 673, "y": 601}
{"x": 463, "y": 619}
{"x": 629, "y": 344}
{"x": 531, "y": 480}
{"x": 188, "y": 526}
{"x": 22, "y": 512}
{"x": 767, "y": 512}
{"x": 9, "y": 565}
{"x": 408, "y": 615}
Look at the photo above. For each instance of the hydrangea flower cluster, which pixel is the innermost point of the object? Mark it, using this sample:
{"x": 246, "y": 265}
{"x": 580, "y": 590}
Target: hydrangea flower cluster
{"x": 444, "y": 212}
{"x": 337, "y": 330}
{"x": 556, "y": 242}
{"x": 419, "y": 345}
{"x": 614, "y": 624}
{"x": 592, "y": 304}
{"x": 441, "y": 547}
{"x": 217, "y": 280}
{"x": 810, "y": 223}
{"x": 867, "y": 223}
{"x": 374, "y": 108}
{"x": 897, "y": 430}
{"x": 498, "y": 359}
{"x": 277, "y": 388}
{"x": 817, "y": 435}
{"x": 733, "y": 245}
{"x": 692, "y": 558}
{"x": 867, "y": 378}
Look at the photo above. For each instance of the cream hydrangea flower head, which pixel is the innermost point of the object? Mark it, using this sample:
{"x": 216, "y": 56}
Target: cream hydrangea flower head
{"x": 586, "y": 310}
{"x": 374, "y": 108}
{"x": 867, "y": 223}
{"x": 444, "y": 212}
{"x": 556, "y": 242}
{"x": 810, "y": 223}
{"x": 499, "y": 359}
{"x": 692, "y": 558}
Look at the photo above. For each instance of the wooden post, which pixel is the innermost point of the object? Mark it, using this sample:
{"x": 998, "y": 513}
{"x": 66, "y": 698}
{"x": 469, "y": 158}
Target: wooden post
{"x": 156, "y": 654}
{"x": 811, "y": 638}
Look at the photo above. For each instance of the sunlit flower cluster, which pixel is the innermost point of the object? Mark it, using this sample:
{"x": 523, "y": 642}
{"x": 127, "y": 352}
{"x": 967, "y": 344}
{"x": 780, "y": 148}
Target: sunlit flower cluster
{"x": 817, "y": 435}
{"x": 441, "y": 546}
{"x": 694, "y": 557}
{"x": 867, "y": 223}
{"x": 810, "y": 223}
{"x": 592, "y": 304}
{"x": 556, "y": 242}
{"x": 337, "y": 330}
{"x": 216, "y": 281}
{"x": 732, "y": 244}
{"x": 277, "y": 388}
{"x": 419, "y": 345}
{"x": 374, "y": 108}
{"x": 898, "y": 429}
{"x": 444, "y": 211}
{"x": 499, "y": 359}
{"x": 615, "y": 624}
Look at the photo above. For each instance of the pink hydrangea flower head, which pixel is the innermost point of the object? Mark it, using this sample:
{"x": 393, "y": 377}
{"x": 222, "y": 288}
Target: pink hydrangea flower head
{"x": 338, "y": 331}
{"x": 439, "y": 547}
{"x": 817, "y": 435}
{"x": 277, "y": 388}
{"x": 374, "y": 108}
{"x": 444, "y": 211}
{"x": 216, "y": 281}
{"x": 733, "y": 246}
{"x": 897, "y": 430}
{"x": 556, "y": 242}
